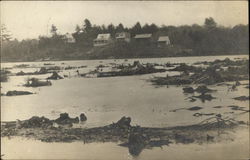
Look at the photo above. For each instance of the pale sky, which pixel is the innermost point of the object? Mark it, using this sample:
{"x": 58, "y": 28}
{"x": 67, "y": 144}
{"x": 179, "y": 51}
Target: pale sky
{"x": 30, "y": 19}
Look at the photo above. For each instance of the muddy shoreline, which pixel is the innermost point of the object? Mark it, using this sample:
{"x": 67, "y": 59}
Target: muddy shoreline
{"x": 136, "y": 138}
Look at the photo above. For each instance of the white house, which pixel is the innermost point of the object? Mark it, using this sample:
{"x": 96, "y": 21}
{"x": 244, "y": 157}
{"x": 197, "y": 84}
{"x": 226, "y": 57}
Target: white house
{"x": 163, "y": 41}
{"x": 102, "y": 39}
{"x": 69, "y": 38}
{"x": 122, "y": 36}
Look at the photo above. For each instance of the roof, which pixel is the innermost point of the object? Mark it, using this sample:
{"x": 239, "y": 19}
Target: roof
{"x": 137, "y": 36}
{"x": 121, "y": 35}
{"x": 106, "y": 36}
{"x": 163, "y": 39}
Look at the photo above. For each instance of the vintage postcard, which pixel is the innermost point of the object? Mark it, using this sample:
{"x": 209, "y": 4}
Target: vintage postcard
{"x": 125, "y": 80}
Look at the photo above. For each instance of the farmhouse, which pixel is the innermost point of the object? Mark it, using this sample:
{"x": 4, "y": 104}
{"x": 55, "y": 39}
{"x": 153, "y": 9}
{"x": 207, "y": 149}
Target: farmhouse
{"x": 163, "y": 41}
{"x": 69, "y": 38}
{"x": 122, "y": 37}
{"x": 143, "y": 38}
{"x": 102, "y": 40}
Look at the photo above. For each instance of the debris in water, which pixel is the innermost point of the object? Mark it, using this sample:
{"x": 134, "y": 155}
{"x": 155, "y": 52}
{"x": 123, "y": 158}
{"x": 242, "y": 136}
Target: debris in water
{"x": 136, "y": 69}
{"x": 205, "y": 97}
{"x": 34, "y": 82}
{"x": 203, "y": 114}
{"x": 242, "y": 98}
{"x": 17, "y": 93}
{"x": 195, "y": 108}
{"x": 188, "y": 90}
{"x": 55, "y": 76}
{"x": 203, "y": 89}
{"x": 217, "y": 107}
{"x": 35, "y": 122}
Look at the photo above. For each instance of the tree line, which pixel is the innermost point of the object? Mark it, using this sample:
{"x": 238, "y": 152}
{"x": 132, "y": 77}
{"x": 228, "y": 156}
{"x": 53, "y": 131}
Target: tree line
{"x": 207, "y": 39}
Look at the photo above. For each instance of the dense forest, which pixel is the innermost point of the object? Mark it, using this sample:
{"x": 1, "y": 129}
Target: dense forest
{"x": 195, "y": 40}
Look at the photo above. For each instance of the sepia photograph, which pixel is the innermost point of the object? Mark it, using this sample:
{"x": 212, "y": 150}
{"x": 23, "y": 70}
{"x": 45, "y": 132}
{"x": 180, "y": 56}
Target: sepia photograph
{"x": 124, "y": 80}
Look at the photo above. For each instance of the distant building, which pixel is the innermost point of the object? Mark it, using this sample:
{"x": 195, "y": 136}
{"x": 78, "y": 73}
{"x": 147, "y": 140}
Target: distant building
{"x": 102, "y": 40}
{"x": 122, "y": 36}
{"x": 69, "y": 38}
{"x": 163, "y": 41}
{"x": 143, "y": 38}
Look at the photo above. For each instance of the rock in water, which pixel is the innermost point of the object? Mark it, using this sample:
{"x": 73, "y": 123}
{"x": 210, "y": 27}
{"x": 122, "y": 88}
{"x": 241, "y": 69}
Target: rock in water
{"x": 136, "y": 143}
{"x": 65, "y": 119}
{"x": 83, "y": 117}
{"x": 36, "y": 122}
{"x": 188, "y": 90}
{"x": 124, "y": 122}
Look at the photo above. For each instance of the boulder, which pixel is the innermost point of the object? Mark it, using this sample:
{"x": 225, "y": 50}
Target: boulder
{"x": 65, "y": 119}
{"x": 124, "y": 122}
{"x": 237, "y": 83}
{"x": 188, "y": 90}
{"x": 36, "y": 122}
{"x": 136, "y": 143}
{"x": 83, "y": 117}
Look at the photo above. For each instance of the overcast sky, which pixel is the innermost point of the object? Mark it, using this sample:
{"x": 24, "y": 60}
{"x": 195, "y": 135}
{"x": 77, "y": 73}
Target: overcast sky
{"x": 30, "y": 19}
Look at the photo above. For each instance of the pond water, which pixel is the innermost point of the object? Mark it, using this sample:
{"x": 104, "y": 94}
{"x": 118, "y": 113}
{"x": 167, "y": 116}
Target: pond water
{"x": 106, "y": 100}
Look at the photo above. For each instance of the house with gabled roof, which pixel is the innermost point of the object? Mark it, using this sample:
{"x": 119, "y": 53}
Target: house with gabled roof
{"x": 122, "y": 37}
{"x": 69, "y": 38}
{"x": 163, "y": 41}
{"x": 102, "y": 40}
{"x": 143, "y": 38}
